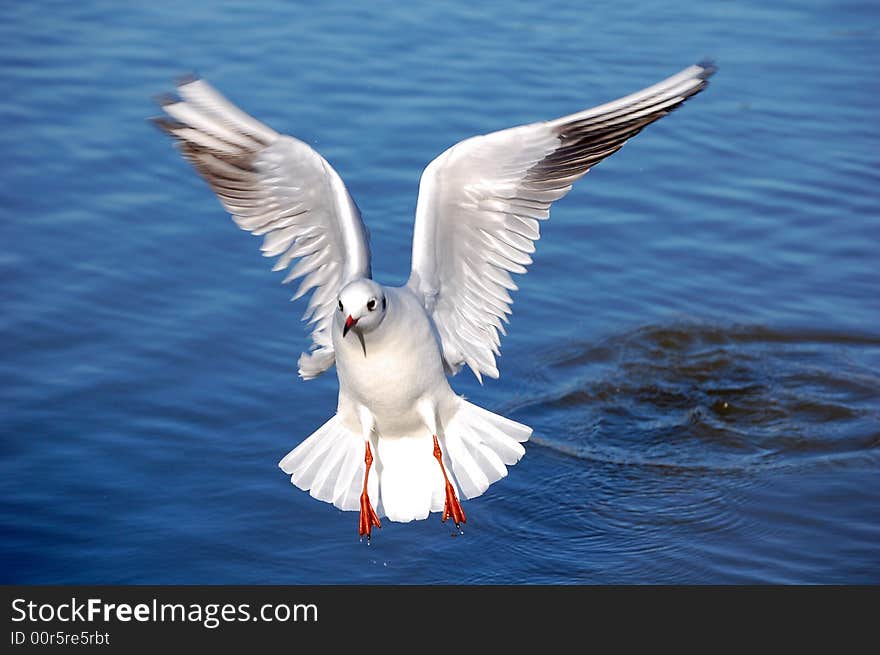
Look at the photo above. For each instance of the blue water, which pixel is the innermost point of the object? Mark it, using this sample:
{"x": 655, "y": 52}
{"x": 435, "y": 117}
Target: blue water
{"x": 697, "y": 344}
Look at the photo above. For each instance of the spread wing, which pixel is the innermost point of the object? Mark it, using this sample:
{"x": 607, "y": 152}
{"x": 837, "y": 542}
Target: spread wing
{"x": 481, "y": 200}
{"x": 279, "y": 188}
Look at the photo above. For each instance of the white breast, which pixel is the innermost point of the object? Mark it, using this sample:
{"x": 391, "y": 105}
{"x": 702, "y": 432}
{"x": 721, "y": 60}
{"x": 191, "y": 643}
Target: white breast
{"x": 402, "y": 364}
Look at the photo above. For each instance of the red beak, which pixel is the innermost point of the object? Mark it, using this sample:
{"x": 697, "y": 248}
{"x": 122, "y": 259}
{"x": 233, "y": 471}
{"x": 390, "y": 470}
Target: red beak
{"x": 349, "y": 323}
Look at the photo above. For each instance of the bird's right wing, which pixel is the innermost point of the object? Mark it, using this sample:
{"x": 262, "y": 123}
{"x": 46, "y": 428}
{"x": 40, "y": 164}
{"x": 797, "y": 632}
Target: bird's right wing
{"x": 279, "y": 188}
{"x": 481, "y": 200}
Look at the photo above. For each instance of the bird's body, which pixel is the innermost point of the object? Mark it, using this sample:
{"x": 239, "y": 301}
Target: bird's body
{"x": 395, "y": 395}
{"x": 402, "y": 443}
{"x": 397, "y": 364}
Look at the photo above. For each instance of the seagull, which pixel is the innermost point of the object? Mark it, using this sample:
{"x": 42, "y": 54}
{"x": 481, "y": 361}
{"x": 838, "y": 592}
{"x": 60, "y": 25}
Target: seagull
{"x": 402, "y": 443}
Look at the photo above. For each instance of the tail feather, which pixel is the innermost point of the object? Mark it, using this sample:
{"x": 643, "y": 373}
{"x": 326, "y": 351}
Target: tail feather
{"x": 507, "y": 427}
{"x": 406, "y": 482}
{"x": 410, "y": 482}
{"x": 471, "y": 478}
{"x": 482, "y": 445}
{"x": 506, "y": 446}
{"x": 486, "y": 459}
{"x": 349, "y": 483}
{"x": 324, "y": 483}
{"x": 329, "y": 464}
{"x": 304, "y": 462}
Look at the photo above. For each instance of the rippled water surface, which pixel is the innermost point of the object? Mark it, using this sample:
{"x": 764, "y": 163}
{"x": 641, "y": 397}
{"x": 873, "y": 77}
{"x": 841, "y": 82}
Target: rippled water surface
{"x": 697, "y": 344}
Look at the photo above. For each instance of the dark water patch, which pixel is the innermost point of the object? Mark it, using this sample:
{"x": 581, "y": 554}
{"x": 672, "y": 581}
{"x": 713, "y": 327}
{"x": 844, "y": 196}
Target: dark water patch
{"x": 667, "y": 438}
{"x": 707, "y": 396}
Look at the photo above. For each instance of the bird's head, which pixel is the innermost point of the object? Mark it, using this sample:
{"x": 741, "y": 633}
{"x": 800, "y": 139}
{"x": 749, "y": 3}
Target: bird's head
{"x": 361, "y": 306}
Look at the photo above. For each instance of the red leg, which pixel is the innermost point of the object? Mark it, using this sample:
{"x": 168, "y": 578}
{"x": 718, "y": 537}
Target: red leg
{"x": 452, "y": 507}
{"x": 368, "y": 516}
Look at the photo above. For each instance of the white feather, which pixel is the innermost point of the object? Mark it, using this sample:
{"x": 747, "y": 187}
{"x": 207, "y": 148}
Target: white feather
{"x": 406, "y": 482}
{"x": 329, "y": 464}
{"x": 279, "y": 188}
{"x": 497, "y": 187}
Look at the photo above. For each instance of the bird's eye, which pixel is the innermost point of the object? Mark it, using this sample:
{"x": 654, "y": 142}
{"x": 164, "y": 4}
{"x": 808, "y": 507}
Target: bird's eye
{"x": 340, "y": 306}
{"x": 371, "y": 304}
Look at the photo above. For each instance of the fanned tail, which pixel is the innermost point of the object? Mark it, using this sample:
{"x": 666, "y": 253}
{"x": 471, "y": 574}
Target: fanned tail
{"x": 480, "y": 445}
{"x": 477, "y": 448}
{"x": 406, "y": 482}
{"x": 329, "y": 464}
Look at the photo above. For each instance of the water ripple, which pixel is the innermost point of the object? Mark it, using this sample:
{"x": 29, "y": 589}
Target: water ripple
{"x": 696, "y": 396}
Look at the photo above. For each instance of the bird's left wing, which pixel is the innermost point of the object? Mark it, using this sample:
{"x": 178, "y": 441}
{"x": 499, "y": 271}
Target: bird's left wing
{"x": 277, "y": 187}
{"x": 480, "y": 202}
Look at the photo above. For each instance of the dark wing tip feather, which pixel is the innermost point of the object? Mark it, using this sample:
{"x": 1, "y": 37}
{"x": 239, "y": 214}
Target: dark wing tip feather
{"x": 187, "y": 78}
{"x": 165, "y": 99}
{"x": 709, "y": 68}
{"x": 167, "y": 125}
{"x": 585, "y": 142}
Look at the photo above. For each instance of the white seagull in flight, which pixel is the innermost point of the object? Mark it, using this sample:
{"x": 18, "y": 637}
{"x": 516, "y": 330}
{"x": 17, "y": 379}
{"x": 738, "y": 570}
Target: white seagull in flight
{"x": 402, "y": 443}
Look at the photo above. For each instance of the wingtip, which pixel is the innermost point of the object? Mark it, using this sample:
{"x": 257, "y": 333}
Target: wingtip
{"x": 165, "y": 99}
{"x": 165, "y": 124}
{"x": 187, "y": 78}
{"x": 709, "y": 68}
